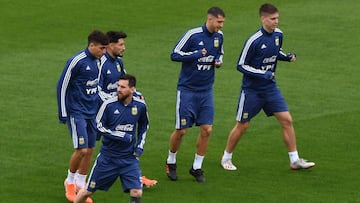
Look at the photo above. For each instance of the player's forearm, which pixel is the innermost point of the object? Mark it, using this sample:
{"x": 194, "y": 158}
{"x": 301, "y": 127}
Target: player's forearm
{"x": 181, "y": 56}
{"x": 254, "y": 72}
{"x": 115, "y": 135}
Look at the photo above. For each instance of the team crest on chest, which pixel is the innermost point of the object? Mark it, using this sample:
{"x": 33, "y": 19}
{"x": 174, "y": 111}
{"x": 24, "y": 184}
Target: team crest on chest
{"x": 277, "y": 41}
{"x": 118, "y": 66}
{"x": 134, "y": 111}
{"x": 216, "y": 42}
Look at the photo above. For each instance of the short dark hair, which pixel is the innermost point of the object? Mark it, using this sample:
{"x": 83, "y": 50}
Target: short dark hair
{"x": 130, "y": 78}
{"x": 114, "y": 36}
{"x": 98, "y": 37}
{"x": 216, "y": 11}
{"x": 266, "y": 9}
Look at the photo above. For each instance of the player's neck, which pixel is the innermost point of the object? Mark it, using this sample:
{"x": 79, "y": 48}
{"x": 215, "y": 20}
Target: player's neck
{"x": 126, "y": 101}
{"x": 268, "y": 29}
{"x": 112, "y": 55}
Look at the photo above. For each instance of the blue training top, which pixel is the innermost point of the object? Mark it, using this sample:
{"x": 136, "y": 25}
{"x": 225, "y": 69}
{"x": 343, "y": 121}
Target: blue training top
{"x": 77, "y": 86}
{"x": 259, "y": 57}
{"x": 123, "y": 127}
{"x": 110, "y": 71}
{"x": 197, "y": 71}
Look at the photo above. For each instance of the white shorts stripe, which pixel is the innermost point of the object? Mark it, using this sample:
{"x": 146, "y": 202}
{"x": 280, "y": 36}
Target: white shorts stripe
{"x": 74, "y": 132}
{"x": 240, "y": 106}
{"x": 177, "y": 117}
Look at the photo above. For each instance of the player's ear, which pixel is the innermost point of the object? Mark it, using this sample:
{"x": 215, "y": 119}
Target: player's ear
{"x": 262, "y": 18}
{"x": 132, "y": 89}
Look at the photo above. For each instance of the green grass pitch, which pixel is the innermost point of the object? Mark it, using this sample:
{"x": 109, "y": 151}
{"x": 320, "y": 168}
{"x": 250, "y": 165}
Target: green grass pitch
{"x": 321, "y": 88}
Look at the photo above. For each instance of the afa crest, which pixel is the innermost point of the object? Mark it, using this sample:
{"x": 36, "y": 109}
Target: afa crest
{"x": 245, "y": 115}
{"x": 81, "y": 140}
{"x": 216, "y": 42}
{"x": 92, "y": 184}
{"x": 134, "y": 111}
{"x": 277, "y": 41}
{"x": 183, "y": 121}
{"x": 118, "y": 67}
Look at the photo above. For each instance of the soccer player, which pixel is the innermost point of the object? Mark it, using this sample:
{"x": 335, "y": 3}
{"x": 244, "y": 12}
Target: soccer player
{"x": 257, "y": 62}
{"x": 78, "y": 102}
{"x": 123, "y": 122}
{"x": 112, "y": 66}
{"x": 200, "y": 50}
{"x": 111, "y": 69}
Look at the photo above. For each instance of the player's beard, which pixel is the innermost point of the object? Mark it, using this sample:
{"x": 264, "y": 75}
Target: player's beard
{"x": 119, "y": 55}
{"x": 122, "y": 98}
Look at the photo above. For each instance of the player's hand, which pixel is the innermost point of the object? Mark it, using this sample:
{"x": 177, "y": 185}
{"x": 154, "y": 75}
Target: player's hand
{"x": 137, "y": 152}
{"x": 128, "y": 137}
{"x": 272, "y": 75}
{"x": 292, "y": 57}
{"x": 63, "y": 120}
{"x": 203, "y": 52}
{"x": 217, "y": 63}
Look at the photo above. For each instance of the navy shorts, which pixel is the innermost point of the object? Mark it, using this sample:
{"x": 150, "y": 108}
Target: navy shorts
{"x": 107, "y": 169}
{"x": 251, "y": 102}
{"x": 83, "y": 132}
{"x": 194, "y": 107}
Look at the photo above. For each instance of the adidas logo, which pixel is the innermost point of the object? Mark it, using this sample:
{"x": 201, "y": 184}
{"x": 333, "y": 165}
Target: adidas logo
{"x": 263, "y": 46}
{"x": 108, "y": 72}
{"x": 116, "y": 112}
{"x": 201, "y": 43}
{"x": 88, "y": 68}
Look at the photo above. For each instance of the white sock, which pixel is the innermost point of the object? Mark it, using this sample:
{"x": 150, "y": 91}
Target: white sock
{"x": 80, "y": 180}
{"x": 198, "y": 161}
{"x": 171, "y": 157}
{"x": 226, "y": 156}
{"x": 70, "y": 177}
{"x": 294, "y": 156}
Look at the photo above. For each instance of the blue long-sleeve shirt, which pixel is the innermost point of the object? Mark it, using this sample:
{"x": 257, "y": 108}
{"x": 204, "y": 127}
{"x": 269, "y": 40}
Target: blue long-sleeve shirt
{"x": 123, "y": 127}
{"x": 77, "y": 86}
{"x": 110, "y": 71}
{"x": 259, "y": 57}
{"x": 197, "y": 71}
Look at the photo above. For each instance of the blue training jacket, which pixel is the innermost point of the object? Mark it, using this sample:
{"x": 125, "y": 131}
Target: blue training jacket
{"x": 110, "y": 71}
{"x": 123, "y": 127}
{"x": 197, "y": 71}
{"x": 259, "y": 57}
{"x": 77, "y": 87}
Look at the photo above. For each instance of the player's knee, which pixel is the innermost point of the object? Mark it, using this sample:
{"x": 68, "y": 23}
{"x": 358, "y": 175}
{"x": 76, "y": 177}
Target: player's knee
{"x": 84, "y": 193}
{"x": 89, "y": 151}
{"x": 180, "y": 132}
{"x": 82, "y": 152}
{"x": 242, "y": 125}
{"x": 206, "y": 131}
{"x": 286, "y": 121}
{"x": 135, "y": 193}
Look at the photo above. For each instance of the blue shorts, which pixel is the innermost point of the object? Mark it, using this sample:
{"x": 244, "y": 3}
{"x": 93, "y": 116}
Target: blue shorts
{"x": 194, "y": 107}
{"x": 107, "y": 169}
{"x": 251, "y": 102}
{"x": 83, "y": 132}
